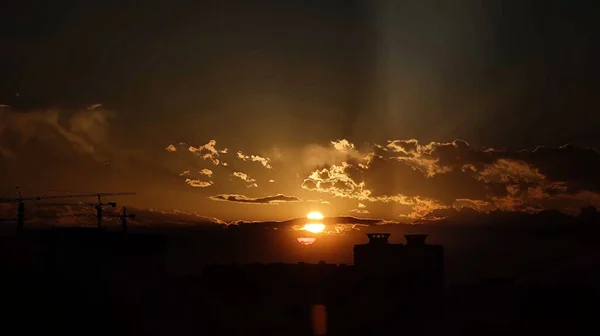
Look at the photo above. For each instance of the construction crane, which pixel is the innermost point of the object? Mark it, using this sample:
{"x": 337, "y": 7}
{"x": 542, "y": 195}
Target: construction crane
{"x": 20, "y": 200}
{"x": 123, "y": 217}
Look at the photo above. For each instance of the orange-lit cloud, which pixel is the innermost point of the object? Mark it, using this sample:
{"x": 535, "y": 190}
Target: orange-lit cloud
{"x": 425, "y": 178}
{"x": 340, "y": 181}
{"x": 361, "y": 209}
{"x": 397, "y": 178}
{"x": 255, "y": 158}
{"x": 439, "y": 176}
{"x": 479, "y": 205}
{"x": 337, "y": 180}
{"x": 208, "y": 151}
{"x": 244, "y": 177}
{"x": 198, "y": 183}
{"x": 206, "y": 172}
{"x": 338, "y": 151}
{"x": 343, "y": 145}
{"x": 260, "y": 200}
{"x": 320, "y": 201}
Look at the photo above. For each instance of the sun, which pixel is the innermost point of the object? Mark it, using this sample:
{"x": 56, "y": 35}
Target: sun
{"x": 314, "y": 227}
{"x": 314, "y": 215}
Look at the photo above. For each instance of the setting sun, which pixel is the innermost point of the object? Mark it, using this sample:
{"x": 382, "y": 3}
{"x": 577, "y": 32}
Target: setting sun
{"x": 314, "y": 227}
{"x": 314, "y": 215}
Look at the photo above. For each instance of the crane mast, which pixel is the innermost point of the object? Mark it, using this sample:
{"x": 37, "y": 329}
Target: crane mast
{"x": 20, "y": 200}
{"x": 124, "y": 216}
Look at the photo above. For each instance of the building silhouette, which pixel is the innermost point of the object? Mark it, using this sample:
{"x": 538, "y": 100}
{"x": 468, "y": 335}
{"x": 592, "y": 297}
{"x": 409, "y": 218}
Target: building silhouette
{"x": 388, "y": 283}
{"x": 391, "y": 288}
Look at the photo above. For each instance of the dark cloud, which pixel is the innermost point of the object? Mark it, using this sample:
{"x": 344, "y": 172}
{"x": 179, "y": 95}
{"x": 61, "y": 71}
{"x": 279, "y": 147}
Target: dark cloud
{"x": 85, "y": 130}
{"x": 261, "y": 200}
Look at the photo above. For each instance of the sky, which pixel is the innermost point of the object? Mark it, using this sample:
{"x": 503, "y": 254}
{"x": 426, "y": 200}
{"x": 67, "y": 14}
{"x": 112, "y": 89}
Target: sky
{"x": 266, "y": 110}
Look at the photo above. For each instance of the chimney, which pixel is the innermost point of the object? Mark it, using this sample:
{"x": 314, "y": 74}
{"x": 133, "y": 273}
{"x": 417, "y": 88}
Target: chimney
{"x": 378, "y": 238}
{"x": 415, "y": 239}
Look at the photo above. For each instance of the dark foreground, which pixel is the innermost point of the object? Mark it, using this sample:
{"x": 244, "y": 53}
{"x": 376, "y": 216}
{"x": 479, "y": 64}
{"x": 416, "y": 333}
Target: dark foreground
{"x": 87, "y": 283}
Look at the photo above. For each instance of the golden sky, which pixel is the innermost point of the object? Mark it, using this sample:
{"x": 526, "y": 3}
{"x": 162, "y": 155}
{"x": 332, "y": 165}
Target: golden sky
{"x": 268, "y": 110}
{"x": 398, "y": 180}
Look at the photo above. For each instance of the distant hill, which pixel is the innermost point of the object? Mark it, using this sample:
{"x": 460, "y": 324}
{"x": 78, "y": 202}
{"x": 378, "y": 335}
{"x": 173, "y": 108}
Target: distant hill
{"x": 545, "y": 218}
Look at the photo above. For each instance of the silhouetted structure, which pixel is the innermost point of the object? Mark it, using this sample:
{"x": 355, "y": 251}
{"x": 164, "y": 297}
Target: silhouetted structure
{"x": 116, "y": 283}
{"x": 389, "y": 283}
{"x": 410, "y": 275}
{"x": 98, "y": 206}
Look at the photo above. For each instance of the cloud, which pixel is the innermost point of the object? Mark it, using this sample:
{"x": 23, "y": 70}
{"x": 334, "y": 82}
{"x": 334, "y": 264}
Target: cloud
{"x": 343, "y": 181}
{"x": 315, "y": 155}
{"x": 244, "y": 177}
{"x": 507, "y": 171}
{"x": 319, "y": 201}
{"x": 421, "y": 157}
{"x": 337, "y": 180}
{"x": 171, "y": 148}
{"x": 198, "y": 183}
{"x": 92, "y": 123}
{"x": 438, "y": 176}
{"x": 206, "y": 172}
{"x": 153, "y": 217}
{"x": 85, "y": 130}
{"x": 479, "y": 205}
{"x": 94, "y": 106}
{"x": 271, "y": 181}
{"x": 343, "y": 145}
{"x": 276, "y": 199}
{"x": 361, "y": 206}
{"x": 360, "y": 211}
{"x": 185, "y": 173}
{"x": 255, "y": 158}
{"x": 208, "y": 151}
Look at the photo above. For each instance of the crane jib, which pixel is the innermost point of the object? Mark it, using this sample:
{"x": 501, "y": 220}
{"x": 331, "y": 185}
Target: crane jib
{"x": 48, "y": 197}
{"x": 21, "y": 201}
